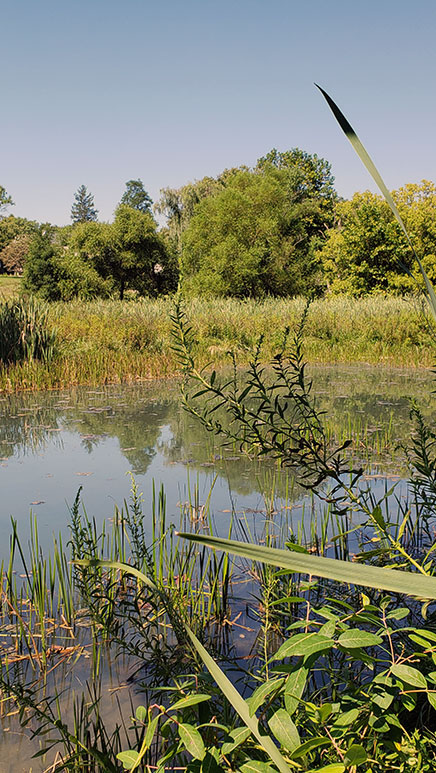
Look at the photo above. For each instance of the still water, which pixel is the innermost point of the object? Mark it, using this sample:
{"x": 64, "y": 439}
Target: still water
{"x": 53, "y": 443}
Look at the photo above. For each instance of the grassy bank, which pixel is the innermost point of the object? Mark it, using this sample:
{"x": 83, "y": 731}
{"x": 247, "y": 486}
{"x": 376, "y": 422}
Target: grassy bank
{"x": 112, "y": 341}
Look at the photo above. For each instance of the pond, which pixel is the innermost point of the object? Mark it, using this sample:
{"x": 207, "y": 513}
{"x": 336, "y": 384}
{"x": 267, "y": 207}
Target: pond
{"x": 52, "y": 444}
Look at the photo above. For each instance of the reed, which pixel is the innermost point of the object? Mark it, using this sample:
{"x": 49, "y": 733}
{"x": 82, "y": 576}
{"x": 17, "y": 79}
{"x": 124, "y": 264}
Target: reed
{"x": 101, "y": 342}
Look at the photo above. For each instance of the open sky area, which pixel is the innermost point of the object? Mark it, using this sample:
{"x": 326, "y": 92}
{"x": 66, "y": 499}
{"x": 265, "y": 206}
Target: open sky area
{"x": 99, "y": 92}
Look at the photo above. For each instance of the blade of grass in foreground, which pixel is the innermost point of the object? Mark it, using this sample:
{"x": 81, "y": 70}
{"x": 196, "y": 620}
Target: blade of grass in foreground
{"x": 225, "y": 685}
{"x": 375, "y": 174}
{"x": 393, "y": 580}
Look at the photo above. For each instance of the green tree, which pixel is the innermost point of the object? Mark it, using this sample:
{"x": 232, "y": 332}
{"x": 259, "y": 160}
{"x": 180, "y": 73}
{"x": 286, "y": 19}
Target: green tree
{"x": 83, "y": 209}
{"x": 136, "y": 196}
{"x": 53, "y": 272}
{"x": 128, "y": 253}
{"x": 366, "y": 252}
{"x": 258, "y": 235}
{"x": 11, "y": 227}
{"x": 5, "y": 200}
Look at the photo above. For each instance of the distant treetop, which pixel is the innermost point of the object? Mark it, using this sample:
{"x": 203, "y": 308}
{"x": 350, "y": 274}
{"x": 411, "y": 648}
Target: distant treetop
{"x": 5, "y": 200}
{"x": 136, "y": 196}
{"x": 83, "y": 209}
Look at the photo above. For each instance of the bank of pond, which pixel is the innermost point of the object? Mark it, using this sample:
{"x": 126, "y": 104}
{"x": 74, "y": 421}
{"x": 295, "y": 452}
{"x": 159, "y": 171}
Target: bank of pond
{"x": 99, "y": 342}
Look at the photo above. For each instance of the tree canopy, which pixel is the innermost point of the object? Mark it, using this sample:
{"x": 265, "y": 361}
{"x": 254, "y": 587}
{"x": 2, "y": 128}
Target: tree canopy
{"x": 255, "y": 234}
{"x": 136, "y": 197}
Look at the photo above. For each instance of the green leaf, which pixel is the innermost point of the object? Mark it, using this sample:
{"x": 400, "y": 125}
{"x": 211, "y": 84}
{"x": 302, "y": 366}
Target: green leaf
{"x": 141, "y": 714}
{"x": 128, "y": 759}
{"x": 354, "y": 639}
{"x": 294, "y": 688}
{"x": 410, "y": 675}
{"x": 393, "y": 580}
{"x": 308, "y": 746}
{"x": 398, "y": 614}
{"x": 432, "y": 699}
{"x": 304, "y": 644}
{"x": 238, "y": 736}
{"x": 189, "y": 700}
{"x": 192, "y": 741}
{"x": 347, "y": 718}
{"x": 210, "y": 765}
{"x": 356, "y": 755}
{"x": 261, "y": 693}
{"x": 284, "y": 730}
{"x": 255, "y": 766}
{"x": 151, "y": 729}
{"x": 335, "y": 767}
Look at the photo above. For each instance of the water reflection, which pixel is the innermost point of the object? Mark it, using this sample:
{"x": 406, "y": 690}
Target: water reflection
{"x": 51, "y": 443}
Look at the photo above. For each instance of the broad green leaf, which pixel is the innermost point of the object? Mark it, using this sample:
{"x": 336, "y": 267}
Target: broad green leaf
{"x": 347, "y": 718}
{"x": 328, "y": 629}
{"x": 425, "y": 643}
{"x": 128, "y": 758}
{"x": 284, "y": 730}
{"x": 432, "y": 699}
{"x": 355, "y": 638}
{"x": 393, "y": 580}
{"x": 192, "y": 740}
{"x": 382, "y": 699}
{"x": 303, "y": 644}
{"x": 294, "y": 688}
{"x": 410, "y": 675}
{"x": 335, "y": 767}
{"x": 238, "y": 736}
{"x": 189, "y": 700}
{"x": 356, "y": 755}
{"x": 308, "y": 746}
{"x": 397, "y": 614}
{"x": 261, "y": 693}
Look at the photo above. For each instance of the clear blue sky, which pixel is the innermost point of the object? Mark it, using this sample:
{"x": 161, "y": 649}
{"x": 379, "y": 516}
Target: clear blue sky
{"x": 98, "y": 92}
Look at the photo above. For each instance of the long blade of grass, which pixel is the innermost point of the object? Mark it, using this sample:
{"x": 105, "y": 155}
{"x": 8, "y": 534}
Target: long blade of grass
{"x": 393, "y": 580}
{"x": 228, "y": 689}
{"x": 375, "y": 174}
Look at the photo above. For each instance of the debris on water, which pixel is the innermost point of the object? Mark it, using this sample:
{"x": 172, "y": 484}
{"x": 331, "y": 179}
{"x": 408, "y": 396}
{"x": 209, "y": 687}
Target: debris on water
{"x": 38, "y": 502}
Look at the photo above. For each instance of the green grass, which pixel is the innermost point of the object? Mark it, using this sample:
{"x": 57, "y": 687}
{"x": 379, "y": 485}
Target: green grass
{"x": 112, "y": 341}
{"x": 10, "y": 287}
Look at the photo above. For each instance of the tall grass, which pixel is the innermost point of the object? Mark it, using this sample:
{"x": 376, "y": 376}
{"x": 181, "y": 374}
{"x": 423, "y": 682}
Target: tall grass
{"x": 112, "y": 341}
{"x": 24, "y": 332}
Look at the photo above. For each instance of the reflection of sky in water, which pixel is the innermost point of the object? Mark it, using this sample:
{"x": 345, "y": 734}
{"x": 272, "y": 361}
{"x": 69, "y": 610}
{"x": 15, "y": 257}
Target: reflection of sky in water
{"x": 141, "y": 428}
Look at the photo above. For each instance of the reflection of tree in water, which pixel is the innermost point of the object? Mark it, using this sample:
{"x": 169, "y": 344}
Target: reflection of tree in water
{"x": 136, "y": 414}
{"x": 27, "y": 424}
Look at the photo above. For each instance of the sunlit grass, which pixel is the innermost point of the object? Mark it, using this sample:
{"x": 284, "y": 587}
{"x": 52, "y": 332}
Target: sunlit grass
{"x": 112, "y": 341}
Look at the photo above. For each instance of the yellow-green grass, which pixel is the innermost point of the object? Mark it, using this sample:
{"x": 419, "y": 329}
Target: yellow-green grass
{"x": 10, "y": 287}
{"x": 114, "y": 341}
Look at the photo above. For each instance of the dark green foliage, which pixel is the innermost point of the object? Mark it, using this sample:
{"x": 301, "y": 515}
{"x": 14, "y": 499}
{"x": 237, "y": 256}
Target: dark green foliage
{"x": 83, "y": 209}
{"x": 136, "y": 196}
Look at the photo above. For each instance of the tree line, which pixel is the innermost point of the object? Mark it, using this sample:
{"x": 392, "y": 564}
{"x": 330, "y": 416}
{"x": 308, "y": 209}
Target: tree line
{"x": 278, "y": 228}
